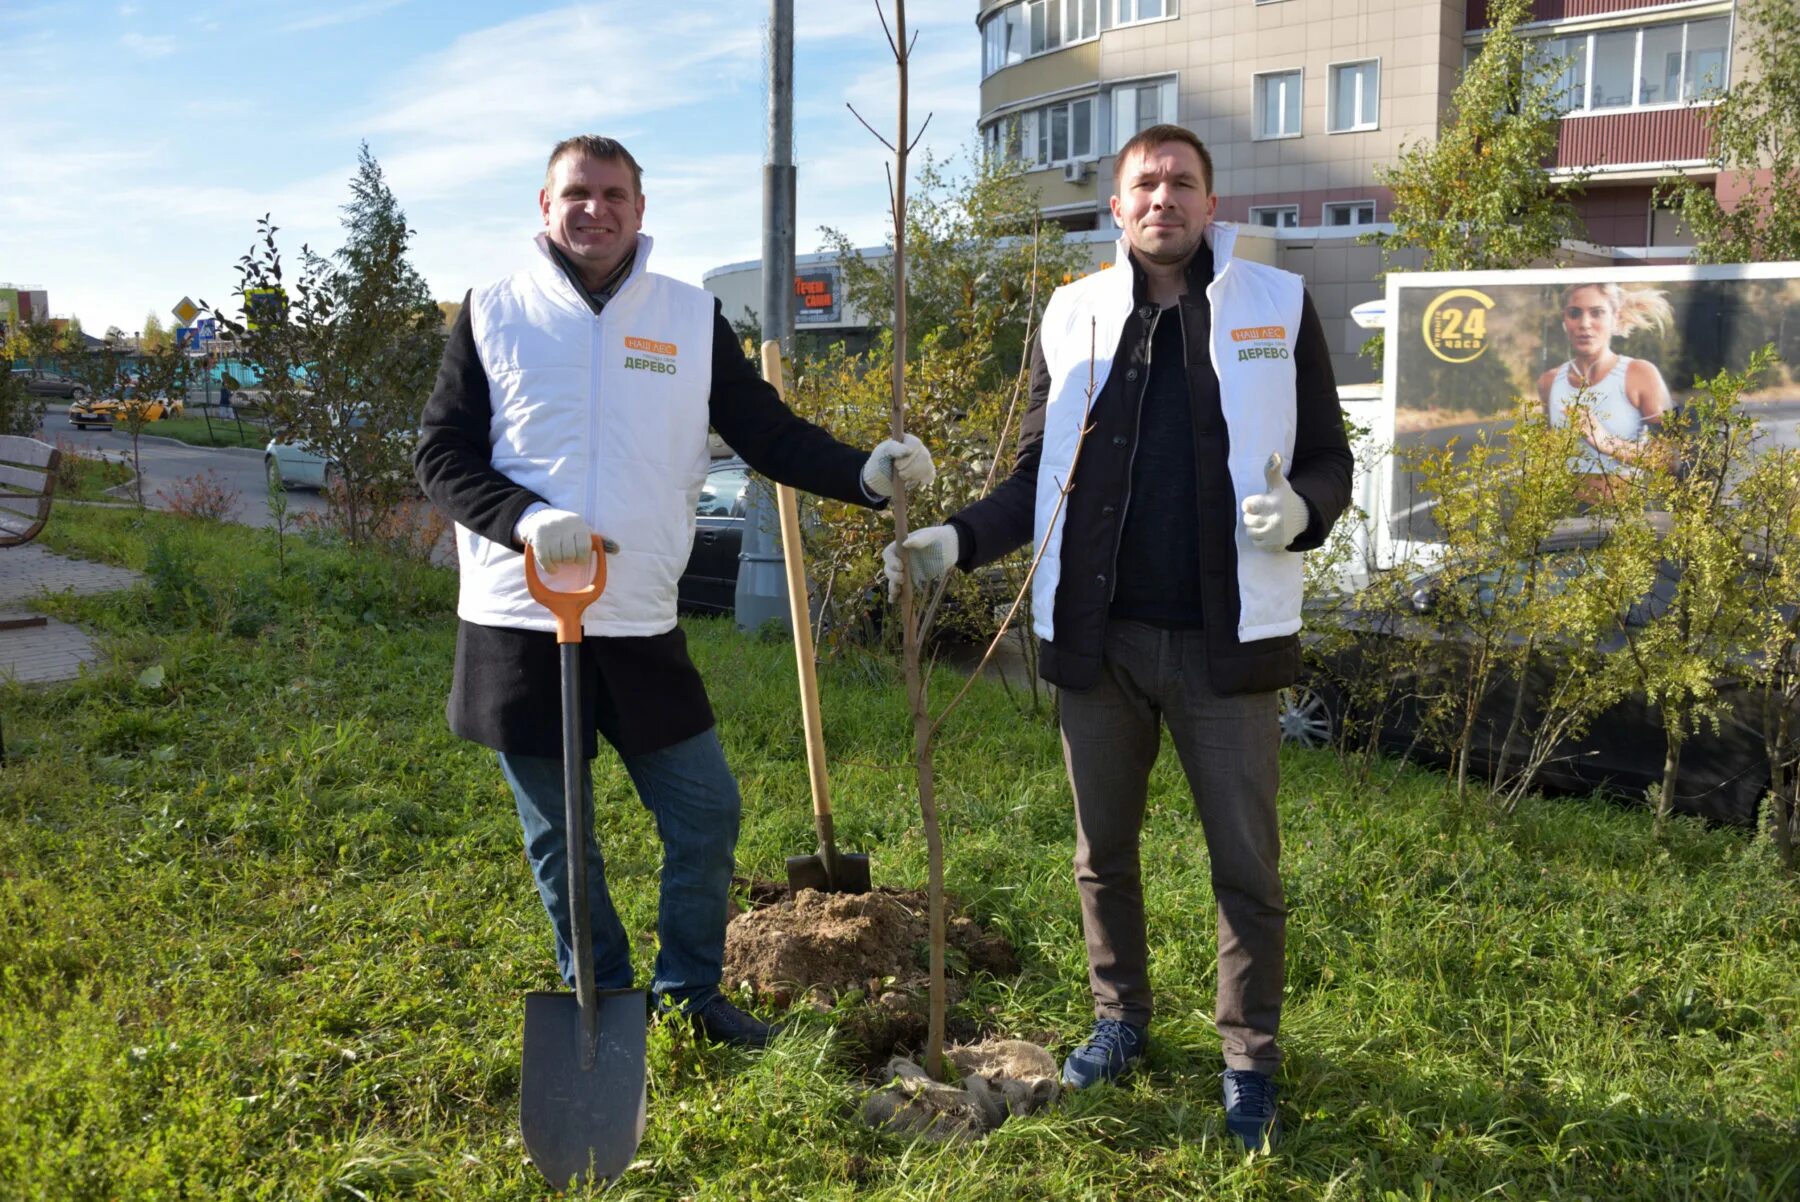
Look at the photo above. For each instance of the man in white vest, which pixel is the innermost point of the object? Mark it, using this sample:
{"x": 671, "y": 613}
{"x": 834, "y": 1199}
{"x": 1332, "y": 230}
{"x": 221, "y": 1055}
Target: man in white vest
{"x": 1169, "y": 588}
{"x": 574, "y": 398}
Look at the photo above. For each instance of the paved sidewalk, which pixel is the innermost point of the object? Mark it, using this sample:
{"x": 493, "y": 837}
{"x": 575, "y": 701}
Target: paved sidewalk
{"x": 57, "y": 651}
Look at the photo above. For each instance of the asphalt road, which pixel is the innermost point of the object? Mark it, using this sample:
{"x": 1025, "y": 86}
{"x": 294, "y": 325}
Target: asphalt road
{"x": 168, "y": 465}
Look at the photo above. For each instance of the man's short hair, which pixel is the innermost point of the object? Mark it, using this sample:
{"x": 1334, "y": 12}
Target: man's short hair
{"x": 593, "y": 146}
{"x": 1148, "y": 140}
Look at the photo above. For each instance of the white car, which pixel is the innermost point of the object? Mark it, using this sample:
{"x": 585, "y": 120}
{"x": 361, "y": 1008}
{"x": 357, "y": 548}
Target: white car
{"x": 296, "y": 465}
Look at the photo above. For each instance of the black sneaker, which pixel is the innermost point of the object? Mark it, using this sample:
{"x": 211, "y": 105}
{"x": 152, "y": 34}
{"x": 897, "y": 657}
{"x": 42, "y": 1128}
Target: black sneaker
{"x": 1250, "y": 1108}
{"x": 718, "y": 1021}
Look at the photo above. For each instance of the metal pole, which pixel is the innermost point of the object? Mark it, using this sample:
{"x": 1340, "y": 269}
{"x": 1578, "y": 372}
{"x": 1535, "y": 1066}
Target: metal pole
{"x": 762, "y": 582}
{"x": 778, "y": 183}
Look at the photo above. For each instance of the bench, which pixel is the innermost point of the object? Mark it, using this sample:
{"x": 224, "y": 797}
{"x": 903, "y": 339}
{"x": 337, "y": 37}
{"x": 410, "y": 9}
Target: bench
{"x": 27, "y": 482}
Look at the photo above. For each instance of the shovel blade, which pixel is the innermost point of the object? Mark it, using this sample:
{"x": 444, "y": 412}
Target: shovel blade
{"x": 582, "y": 1123}
{"x": 808, "y": 872}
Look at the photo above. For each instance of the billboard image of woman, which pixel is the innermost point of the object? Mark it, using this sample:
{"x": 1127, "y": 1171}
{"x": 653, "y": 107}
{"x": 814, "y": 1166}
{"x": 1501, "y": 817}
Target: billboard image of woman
{"x": 1616, "y": 402}
{"x": 1612, "y": 352}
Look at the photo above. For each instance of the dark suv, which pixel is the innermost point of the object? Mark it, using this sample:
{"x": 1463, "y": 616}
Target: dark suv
{"x": 48, "y": 383}
{"x": 709, "y": 585}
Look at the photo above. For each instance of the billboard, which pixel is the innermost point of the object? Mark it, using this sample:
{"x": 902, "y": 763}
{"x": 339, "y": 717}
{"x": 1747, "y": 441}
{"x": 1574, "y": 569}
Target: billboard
{"x": 816, "y": 295}
{"x": 1611, "y": 348}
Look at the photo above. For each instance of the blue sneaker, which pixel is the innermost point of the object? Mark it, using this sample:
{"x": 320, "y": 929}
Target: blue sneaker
{"x": 1250, "y": 1108}
{"x": 1109, "y": 1054}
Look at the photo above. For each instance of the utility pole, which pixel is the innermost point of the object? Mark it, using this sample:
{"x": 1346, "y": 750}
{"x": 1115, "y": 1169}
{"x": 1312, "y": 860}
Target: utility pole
{"x": 762, "y": 582}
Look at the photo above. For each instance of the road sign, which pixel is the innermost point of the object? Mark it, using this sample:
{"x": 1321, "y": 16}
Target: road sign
{"x": 185, "y": 311}
{"x": 264, "y": 307}
{"x": 206, "y": 332}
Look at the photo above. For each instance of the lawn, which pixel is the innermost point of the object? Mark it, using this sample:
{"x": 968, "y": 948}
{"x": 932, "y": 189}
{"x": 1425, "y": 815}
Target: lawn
{"x": 265, "y": 927}
{"x": 197, "y": 430}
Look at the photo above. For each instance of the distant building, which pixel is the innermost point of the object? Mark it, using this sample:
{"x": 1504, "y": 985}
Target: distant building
{"x": 19, "y": 305}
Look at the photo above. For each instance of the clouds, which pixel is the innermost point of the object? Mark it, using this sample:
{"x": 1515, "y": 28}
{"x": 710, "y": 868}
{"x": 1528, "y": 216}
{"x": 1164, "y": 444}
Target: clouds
{"x": 460, "y": 110}
{"x": 339, "y": 16}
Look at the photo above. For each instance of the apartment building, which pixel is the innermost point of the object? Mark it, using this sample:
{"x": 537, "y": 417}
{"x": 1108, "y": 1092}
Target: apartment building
{"x": 1300, "y": 100}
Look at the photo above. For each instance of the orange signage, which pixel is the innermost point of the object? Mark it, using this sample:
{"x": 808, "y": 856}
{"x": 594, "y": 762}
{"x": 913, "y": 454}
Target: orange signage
{"x": 650, "y": 347}
{"x": 1259, "y": 333}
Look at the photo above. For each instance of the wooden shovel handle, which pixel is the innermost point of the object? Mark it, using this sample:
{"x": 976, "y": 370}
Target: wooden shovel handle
{"x": 567, "y": 606}
{"x": 791, "y": 555}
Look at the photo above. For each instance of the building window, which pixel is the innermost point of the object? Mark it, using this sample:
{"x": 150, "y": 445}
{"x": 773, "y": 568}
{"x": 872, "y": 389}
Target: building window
{"x": 1355, "y": 100}
{"x": 1281, "y": 217}
{"x": 1138, "y": 106}
{"x": 1003, "y": 39}
{"x": 1018, "y": 31}
{"x": 1649, "y": 66}
{"x": 1081, "y": 20}
{"x": 1278, "y": 104}
{"x": 1045, "y": 137}
{"x": 1127, "y": 11}
{"x": 1350, "y": 212}
{"x": 1564, "y": 62}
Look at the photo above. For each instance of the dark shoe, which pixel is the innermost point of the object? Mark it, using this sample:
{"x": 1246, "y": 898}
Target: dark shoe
{"x": 1110, "y": 1053}
{"x": 718, "y": 1021}
{"x": 1250, "y": 1108}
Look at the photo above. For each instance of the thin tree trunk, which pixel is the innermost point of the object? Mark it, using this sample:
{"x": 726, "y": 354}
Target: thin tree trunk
{"x": 1665, "y": 800}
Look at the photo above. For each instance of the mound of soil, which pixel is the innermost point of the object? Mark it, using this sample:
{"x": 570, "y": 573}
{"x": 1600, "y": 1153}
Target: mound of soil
{"x": 831, "y": 947}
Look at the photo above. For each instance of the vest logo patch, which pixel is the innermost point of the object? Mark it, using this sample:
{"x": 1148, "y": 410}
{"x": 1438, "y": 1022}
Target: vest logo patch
{"x": 1267, "y": 342}
{"x": 657, "y": 357}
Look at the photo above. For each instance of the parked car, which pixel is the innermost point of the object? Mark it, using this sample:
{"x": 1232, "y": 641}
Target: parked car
{"x": 1724, "y": 772}
{"x": 108, "y": 411}
{"x": 294, "y": 463}
{"x": 709, "y": 582}
{"x": 48, "y": 383}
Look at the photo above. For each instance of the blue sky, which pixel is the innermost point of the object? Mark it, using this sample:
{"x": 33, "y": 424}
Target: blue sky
{"x": 143, "y": 140}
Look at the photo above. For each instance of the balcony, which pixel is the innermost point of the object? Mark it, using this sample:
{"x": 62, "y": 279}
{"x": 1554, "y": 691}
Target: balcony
{"x": 1562, "y": 10}
{"x": 1648, "y": 137}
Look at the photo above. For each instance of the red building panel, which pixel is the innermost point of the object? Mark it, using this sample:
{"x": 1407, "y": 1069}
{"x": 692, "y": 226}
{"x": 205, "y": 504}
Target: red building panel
{"x": 1655, "y": 137}
{"x": 1618, "y": 216}
{"x": 1557, "y": 10}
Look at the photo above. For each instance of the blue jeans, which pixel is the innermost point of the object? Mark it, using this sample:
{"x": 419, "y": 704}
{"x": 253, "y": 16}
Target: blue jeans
{"x": 690, "y": 792}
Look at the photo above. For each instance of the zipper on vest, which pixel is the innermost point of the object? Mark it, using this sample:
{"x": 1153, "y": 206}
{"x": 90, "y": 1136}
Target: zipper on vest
{"x": 593, "y": 463}
{"x": 1137, "y": 429}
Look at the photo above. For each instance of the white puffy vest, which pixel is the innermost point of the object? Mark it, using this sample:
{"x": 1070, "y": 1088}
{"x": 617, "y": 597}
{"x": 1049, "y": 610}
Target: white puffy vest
{"x": 1255, "y": 321}
{"x": 605, "y": 415}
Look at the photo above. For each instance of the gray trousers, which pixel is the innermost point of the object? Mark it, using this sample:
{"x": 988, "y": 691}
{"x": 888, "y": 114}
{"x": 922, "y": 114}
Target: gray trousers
{"x": 1228, "y": 748}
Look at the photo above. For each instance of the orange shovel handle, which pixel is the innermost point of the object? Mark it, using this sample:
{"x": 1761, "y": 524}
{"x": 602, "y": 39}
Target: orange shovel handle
{"x": 567, "y": 606}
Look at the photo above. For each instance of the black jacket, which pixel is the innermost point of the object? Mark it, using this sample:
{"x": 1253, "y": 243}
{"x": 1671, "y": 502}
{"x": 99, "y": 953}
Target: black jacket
{"x": 642, "y": 694}
{"x": 1096, "y": 504}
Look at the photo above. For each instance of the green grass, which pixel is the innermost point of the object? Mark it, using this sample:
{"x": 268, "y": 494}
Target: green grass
{"x": 93, "y": 477}
{"x": 223, "y": 432}
{"x": 264, "y": 928}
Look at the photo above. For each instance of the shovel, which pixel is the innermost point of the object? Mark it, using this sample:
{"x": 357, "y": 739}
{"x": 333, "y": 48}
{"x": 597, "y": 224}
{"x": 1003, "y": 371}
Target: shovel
{"x": 582, "y": 1086}
{"x": 826, "y": 870}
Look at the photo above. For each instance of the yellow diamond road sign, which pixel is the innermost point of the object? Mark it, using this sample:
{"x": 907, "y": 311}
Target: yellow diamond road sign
{"x": 186, "y": 311}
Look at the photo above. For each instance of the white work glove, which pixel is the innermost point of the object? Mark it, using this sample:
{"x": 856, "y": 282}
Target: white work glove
{"x": 909, "y": 458}
{"x": 932, "y": 551}
{"x": 1275, "y": 518}
{"x": 558, "y": 537}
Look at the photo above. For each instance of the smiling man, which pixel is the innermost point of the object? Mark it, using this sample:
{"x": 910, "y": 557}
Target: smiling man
{"x": 575, "y": 397}
{"x": 1169, "y": 591}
